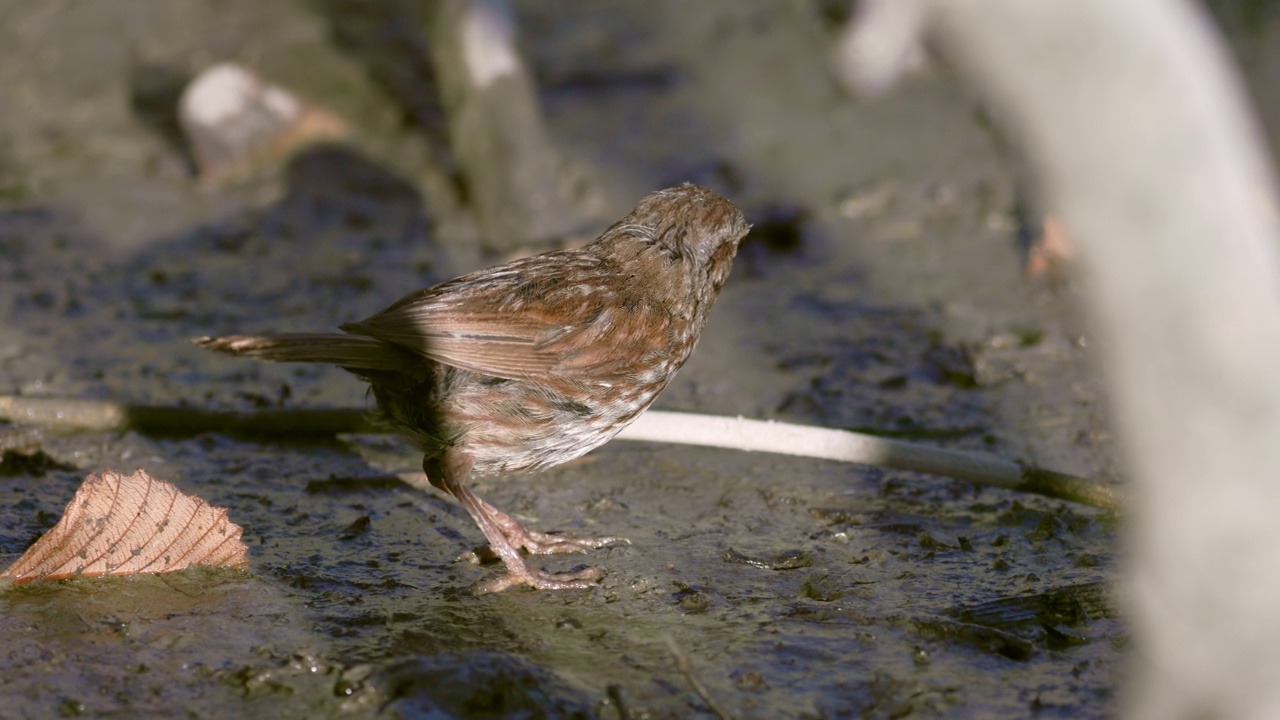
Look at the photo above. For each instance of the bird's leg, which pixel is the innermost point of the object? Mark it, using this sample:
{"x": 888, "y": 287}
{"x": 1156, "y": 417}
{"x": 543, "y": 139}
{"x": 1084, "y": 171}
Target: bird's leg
{"x": 540, "y": 543}
{"x": 449, "y": 474}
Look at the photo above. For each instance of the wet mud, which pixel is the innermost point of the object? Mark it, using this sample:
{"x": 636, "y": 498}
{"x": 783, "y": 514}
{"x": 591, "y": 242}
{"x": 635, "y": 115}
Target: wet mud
{"x": 882, "y": 291}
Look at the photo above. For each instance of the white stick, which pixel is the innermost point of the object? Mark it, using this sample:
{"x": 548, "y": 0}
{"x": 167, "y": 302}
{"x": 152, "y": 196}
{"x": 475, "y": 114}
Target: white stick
{"x": 805, "y": 441}
{"x": 738, "y": 433}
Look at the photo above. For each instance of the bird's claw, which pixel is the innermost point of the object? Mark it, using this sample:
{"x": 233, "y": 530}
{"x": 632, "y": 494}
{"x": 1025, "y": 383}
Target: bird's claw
{"x": 539, "y": 580}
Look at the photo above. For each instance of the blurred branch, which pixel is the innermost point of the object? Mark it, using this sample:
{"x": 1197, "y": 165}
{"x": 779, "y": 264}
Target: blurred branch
{"x": 1143, "y": 142}
{"x": 496, "y": 128}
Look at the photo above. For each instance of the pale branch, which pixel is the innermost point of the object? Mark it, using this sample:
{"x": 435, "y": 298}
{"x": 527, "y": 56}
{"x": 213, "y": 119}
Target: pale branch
{"x": 852, "y": 447}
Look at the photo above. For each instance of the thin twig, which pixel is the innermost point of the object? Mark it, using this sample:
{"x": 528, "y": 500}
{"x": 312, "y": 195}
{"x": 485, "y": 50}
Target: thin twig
{"x": 845, "y": 446}
{"x": 682, "y": 664}
{"x": 653, "y": 426}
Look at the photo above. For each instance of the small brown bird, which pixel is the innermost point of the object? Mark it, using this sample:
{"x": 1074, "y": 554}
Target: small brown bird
{"x": 533, "y": 363}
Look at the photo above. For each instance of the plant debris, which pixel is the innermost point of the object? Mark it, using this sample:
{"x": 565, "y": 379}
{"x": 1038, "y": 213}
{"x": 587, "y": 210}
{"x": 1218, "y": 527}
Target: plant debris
{"x": 129, "y": 524}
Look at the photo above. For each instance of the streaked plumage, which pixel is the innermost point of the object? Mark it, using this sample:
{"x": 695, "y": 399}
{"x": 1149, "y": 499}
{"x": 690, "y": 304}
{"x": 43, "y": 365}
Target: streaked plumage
{"x": 529, "y": 364}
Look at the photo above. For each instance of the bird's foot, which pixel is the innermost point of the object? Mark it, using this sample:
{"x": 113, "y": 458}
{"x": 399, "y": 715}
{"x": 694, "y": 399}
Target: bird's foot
{"x": 540, "y": 543}
{"x": 507, "y": 536}
{"x": 539, "y": 580}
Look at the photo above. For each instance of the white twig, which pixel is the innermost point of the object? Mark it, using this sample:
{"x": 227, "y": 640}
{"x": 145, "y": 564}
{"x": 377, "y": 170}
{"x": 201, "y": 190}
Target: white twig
{"x": 845, "y": 446}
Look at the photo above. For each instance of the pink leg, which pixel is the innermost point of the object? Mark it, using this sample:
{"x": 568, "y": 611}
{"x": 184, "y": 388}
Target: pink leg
{"x": 539, "y": 543}
{"x": 448, "y": 474}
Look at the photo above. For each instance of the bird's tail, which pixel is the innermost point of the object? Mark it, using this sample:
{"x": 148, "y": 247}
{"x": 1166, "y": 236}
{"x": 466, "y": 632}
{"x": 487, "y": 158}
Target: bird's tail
{"x": 350, "y": 351}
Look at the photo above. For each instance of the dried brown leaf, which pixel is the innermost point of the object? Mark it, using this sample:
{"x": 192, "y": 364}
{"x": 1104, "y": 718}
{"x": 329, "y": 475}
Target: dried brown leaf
{"x": 127, "y": 524}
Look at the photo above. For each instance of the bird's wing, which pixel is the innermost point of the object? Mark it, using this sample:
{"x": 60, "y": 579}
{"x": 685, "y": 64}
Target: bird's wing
{"x": 580, "y": 323}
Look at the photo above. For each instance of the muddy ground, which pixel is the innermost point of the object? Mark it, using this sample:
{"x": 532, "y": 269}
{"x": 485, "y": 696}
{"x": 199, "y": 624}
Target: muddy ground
{"x": 882, "y": 291}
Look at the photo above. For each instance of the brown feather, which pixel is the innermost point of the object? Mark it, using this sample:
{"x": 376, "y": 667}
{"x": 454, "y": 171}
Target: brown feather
{"x": 508, "y": 327}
